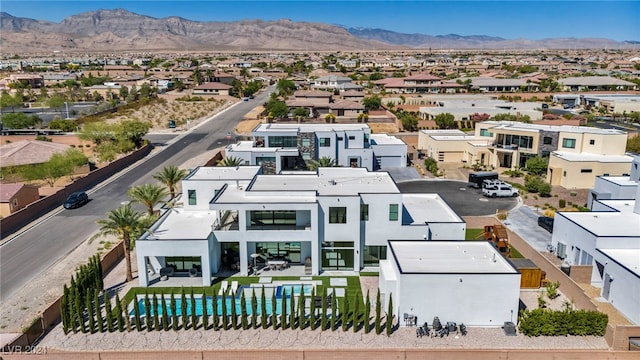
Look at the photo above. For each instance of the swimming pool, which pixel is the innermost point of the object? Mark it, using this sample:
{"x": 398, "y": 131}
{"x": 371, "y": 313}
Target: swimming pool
{"x": 295, "y": 289}
{"x": 286, "y": 289}
{"x": 209, "y": 301}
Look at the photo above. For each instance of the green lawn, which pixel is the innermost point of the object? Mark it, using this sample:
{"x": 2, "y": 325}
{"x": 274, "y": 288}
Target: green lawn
{"x": 474, "y": 234}
{"x": 352, "y": 288}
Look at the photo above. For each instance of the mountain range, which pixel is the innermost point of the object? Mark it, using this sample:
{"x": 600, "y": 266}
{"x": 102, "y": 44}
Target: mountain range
{"x": 122, "y": 30}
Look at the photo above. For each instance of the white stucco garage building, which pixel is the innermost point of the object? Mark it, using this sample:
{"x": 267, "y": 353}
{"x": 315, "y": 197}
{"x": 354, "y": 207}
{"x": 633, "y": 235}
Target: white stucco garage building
{"x": 466, "y": 282}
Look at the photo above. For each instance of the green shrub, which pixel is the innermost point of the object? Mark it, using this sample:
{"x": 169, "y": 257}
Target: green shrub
{"x": 541, "y": 302}
{"x": 535, "y": 184}
{"x": 562, "y": 203}
{"x": 552, "y": 289}
{"x": 542, "y": 322}
{"x": 545, "y": 189}
{"x": 431, "y": 165}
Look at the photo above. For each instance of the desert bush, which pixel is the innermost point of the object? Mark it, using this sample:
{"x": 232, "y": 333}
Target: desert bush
{"x": 543, "y": 322}
{"x": 552, "y": 289}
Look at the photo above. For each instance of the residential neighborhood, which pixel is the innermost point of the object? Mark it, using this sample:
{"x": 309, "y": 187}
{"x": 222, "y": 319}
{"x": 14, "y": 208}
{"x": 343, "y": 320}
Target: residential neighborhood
{"x": 390, "y": 202}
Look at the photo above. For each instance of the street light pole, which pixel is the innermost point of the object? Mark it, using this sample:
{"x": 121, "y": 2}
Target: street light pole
{"x": 66, "y": 104}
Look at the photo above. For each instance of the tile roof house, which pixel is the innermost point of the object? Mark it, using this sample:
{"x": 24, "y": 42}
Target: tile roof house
{"x": 212, "y": 88}
{"x": 26, "y": 152}
{"x": 14, "y": 197}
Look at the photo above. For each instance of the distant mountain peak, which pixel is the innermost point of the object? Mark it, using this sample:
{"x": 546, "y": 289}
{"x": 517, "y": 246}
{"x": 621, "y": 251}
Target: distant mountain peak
{"x": 120, "y": 29}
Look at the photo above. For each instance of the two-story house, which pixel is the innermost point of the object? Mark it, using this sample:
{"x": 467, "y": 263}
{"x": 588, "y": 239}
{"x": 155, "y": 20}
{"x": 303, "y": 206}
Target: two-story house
{"x": 335, "y": 219}
{"x": 279, "y": 147}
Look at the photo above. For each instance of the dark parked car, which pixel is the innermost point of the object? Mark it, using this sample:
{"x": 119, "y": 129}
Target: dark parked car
{"x": 546, "y": 223}
{"x": 76, "y": 200}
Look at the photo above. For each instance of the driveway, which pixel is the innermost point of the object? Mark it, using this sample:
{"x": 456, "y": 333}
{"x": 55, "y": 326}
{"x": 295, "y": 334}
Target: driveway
{"x": 524, "y": 221}
{"x": 464, "y": 200}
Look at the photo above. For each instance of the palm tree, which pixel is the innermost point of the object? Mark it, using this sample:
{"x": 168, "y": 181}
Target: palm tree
{"x": 121, "y": 222}
{"x": 322, "y": 162}
{"x": 148, "y": 194}
{"x": 230, "y": 161}
{"x": 170, "y": 176}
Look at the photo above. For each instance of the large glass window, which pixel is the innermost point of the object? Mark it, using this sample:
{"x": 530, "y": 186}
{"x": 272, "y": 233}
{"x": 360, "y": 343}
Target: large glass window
{"x": 183, "y": 263}
{"x": 373, "y": 254}
{"x": 337, "y": 259}
{"x": 260, "y": 160}
{"x": 364, "y": 212}
{"x": 485, "y": 132}
{"x": 337, "y": 215}
{"x": 192, "y": 197}
{"x": 569, "y": 143}
{"x": 273, "y": 217}
{"x": 280, "y": 250}
{"x": 325, "y": 142}
{"x": 283, "y": 141}
{"x": 393, "y": 212}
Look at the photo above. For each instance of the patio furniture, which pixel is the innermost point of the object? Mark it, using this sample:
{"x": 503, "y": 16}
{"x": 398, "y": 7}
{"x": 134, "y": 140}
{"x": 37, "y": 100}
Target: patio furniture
{"x": 193, "y": 272}
{"x": 234, "y": 286}
{"x": 276, "y": 264}
{"x": 223, "y": 287}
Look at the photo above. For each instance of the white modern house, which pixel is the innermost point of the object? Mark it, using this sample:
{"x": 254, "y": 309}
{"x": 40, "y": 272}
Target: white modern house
{"x": 608, "y": 239}
{"x": 335, "y": 218}
{"x": 466, "y": 282}
{"x": 281, "y": 147}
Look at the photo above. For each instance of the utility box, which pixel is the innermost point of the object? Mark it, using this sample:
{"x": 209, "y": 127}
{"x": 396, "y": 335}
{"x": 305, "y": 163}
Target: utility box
{"x": 509, "y": 328}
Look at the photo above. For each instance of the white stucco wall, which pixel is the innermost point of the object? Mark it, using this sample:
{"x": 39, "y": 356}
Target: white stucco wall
{"x": 177, "y": 247}
{"x": 477, "y": 300}
{"x": 624, "y": 288}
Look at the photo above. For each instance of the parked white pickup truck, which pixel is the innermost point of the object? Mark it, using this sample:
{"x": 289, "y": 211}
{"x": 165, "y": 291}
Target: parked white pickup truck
{"x": 503, "y": 190}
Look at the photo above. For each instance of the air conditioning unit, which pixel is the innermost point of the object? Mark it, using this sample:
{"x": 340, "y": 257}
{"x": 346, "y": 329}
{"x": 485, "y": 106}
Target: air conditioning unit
{"x": 562, "y": 250}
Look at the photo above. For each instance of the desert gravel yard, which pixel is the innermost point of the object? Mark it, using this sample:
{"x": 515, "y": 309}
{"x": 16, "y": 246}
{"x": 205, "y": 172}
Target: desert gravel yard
{"x": 405, "y": 337}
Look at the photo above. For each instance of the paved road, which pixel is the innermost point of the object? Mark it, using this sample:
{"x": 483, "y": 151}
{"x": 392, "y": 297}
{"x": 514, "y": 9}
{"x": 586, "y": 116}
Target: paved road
{"x": 524, "y": 222}
{"x": 464, "y": 200}
{"x": 34, "y": 251}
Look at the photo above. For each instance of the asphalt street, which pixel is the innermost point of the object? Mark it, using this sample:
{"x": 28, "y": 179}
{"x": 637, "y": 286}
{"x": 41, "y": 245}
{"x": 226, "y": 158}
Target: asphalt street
{"x": 464, "y": 200}
{"x": 34, "y": 251}
{"x": 524, "y": 222}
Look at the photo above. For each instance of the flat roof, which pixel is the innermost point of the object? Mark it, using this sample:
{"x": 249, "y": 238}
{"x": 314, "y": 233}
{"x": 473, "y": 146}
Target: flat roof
{"x": 185, "y": 224}
{"x": 454, "y": 137}
{"x": 627, "y": 258}
{"x": 569, "y": 156}
{"x": 449, "y": 132}
{"x": 384, "y": 139}
{"x": 329, "y": 181}
{"x": 429, "y": 208}
{"x": 607, "y": 224}
{"x": 309, "y": 127}
{"x": 223, "y": 173}
{"x": 619, "y": 180}
{"x": 449, "y": 257}
{"x": 560, "y": 128}
{"x": 621, "y": 205}
{"x": 234, "y": 195}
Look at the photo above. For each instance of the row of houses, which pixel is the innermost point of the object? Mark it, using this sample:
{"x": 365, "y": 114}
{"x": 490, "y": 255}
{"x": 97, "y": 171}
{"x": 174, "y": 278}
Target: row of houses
{"x": 577, "y": 154}
{"x": 607, "y": 239}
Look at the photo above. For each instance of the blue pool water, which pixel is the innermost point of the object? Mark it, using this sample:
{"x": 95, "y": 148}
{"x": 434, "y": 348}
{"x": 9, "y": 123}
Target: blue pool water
{"x": 198, "y": 308}
{"x": 295, "y": 289}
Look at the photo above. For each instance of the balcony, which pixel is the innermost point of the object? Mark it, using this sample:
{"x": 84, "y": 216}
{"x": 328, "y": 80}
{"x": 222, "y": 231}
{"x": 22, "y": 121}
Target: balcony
{"x": 505, "y": 147}
{"x": 268, "y": 227}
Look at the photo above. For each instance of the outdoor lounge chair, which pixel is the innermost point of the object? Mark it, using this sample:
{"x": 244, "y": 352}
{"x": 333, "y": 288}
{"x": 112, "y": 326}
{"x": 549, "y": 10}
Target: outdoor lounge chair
{"x": 234, "y": 286}
{"x": 223, "y": 287}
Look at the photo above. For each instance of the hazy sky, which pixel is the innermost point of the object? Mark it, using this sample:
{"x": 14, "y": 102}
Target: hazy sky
{"x": 618, "y": 20}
